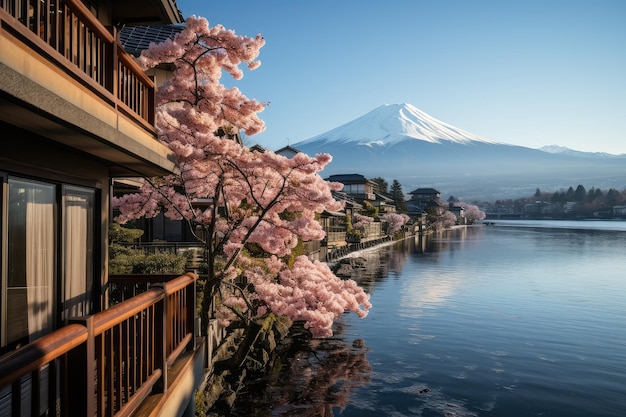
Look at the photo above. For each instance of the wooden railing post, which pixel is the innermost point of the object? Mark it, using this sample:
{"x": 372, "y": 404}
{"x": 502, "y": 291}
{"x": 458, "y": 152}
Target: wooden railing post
{"x": 160, "y": 339}
{"x": 112, "y": 65}
{"x": 81, "y": 374}
{"x": 190, "y": 293}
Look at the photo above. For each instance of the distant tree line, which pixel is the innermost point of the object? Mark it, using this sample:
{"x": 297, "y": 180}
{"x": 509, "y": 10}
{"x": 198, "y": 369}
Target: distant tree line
{"x": 587, "y": 202}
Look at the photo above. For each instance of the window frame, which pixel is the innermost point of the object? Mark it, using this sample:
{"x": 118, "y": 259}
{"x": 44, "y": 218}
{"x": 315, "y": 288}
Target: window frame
{"x": 62, "y": 185}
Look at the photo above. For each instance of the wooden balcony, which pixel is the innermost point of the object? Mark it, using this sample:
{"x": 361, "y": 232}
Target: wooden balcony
{"x": 64, "y": 75}
{"x": 85, "y": 49}
{"x": 110, "y": 363}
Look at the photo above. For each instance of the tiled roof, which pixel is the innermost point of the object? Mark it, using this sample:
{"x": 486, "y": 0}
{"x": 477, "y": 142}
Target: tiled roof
{"x": 135, "y": 39}
{"x": 288, "y": 148}
{"x": 383, "y": 198}
{"x": 348, "y": 178}
{"x": 425, "y": 191}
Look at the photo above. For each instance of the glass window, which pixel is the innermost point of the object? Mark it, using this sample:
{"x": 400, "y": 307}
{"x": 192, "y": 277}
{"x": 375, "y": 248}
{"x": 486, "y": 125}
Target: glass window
{"x": 78, "y": 251}
{"x": 41, "y": 282}
{"x": 31, "y": 260}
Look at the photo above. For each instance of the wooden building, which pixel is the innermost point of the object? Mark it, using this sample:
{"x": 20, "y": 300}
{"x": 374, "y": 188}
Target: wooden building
{"x": 76, "y": 113}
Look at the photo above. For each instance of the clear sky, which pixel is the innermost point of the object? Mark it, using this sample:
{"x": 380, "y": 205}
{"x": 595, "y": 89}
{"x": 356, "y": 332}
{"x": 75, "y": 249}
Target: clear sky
{"x": 529, "y": 72}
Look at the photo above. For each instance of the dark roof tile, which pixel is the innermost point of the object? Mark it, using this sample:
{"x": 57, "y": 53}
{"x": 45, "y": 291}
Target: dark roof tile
{"x": 135, "y": 39}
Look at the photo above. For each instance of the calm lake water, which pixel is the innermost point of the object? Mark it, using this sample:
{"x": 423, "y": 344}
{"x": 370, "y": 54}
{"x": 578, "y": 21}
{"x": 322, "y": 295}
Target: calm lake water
{"x": 508, "y": 319}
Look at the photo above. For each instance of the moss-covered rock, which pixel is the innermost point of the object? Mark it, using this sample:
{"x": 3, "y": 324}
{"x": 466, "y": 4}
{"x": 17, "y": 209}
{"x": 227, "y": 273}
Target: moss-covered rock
{"x": 244, "y": 353}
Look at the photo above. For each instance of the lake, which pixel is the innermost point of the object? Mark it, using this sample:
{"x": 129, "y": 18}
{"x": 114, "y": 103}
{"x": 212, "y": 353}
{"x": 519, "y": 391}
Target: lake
{"x": 513, "y": 318}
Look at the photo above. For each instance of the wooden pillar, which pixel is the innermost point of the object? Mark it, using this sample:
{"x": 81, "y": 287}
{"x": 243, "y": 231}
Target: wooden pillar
{"x": 160, "y": 339}
{"x": 191, "y": 297}
{"x": 81, "y": 368}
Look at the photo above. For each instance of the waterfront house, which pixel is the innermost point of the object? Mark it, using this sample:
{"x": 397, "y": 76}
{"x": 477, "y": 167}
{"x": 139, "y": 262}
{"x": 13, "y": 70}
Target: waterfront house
{"x": 537, "y": 208}
{"x": 459, "y": 212}
{"x": 334, "y": 223}
{"x": 360, "y": 190}
{"x": 619, "y": 211}
{"x": 356, "y": 186}
{"x": 384, "y": 204}
{"x": 425, "y": 200}
{"x": 76, "y": 114}
{"x": 421, "y": 196}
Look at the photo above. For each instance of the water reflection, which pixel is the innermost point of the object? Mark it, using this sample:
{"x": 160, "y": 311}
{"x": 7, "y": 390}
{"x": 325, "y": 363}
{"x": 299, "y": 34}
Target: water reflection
{"x": 428, "y": 291}
{"x": 318, "y": 377}
{"x": 428, "y": 288}
{"x": 480, "y": 321}
{"x": 315, "y": 376}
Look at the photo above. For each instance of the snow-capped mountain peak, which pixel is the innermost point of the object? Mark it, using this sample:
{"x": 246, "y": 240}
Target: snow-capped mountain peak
{"x": 393, "y": 123}
{"x": 555, "y": 149}
{"x": 400, "y": 142}
{"x": 562, "y": 150}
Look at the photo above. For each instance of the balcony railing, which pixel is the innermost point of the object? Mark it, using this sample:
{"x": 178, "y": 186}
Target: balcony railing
{"x": 105, "y": 364}
{"x": 67, "y": 33}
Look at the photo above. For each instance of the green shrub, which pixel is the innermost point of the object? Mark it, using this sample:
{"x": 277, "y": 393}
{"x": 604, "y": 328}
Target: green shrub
{"x": 161, "y": 263}
{"x": 116, "y": 250}
{"x": 124, "y": 260}
{"x": 118, "y": 233}
{"x": 124, "y": 263}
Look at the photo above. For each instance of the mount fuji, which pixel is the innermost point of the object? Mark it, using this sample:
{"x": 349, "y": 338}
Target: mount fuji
{"x": 401, "y": 142}
{"x": 390, "y": 125}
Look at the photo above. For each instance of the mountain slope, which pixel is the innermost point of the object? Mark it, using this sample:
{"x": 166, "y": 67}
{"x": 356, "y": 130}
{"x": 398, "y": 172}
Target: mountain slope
{"x": 401, "y": 142}
{"x": 390, "y": 124}
{"x": 567, "y": 151}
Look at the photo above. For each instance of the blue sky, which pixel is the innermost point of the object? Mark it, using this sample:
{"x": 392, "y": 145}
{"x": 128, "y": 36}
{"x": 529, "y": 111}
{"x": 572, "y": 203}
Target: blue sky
{"x": 528, "y": 73}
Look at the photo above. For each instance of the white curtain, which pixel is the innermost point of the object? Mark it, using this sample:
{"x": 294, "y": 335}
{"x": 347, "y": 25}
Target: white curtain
{"x": 39, "y": 260}
{"x": 78, "y": 254}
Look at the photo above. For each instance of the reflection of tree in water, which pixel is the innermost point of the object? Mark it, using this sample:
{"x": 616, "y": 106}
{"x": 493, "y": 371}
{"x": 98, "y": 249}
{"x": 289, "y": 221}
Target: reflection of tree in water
{"x": 431, "y": 248}
{"x": 317, "y": 377}
{"x": 311, "y": 378}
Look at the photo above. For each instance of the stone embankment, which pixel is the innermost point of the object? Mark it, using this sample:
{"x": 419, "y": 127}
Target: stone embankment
{"x": 242, "y": 353}
{"x": 345, "y": 250}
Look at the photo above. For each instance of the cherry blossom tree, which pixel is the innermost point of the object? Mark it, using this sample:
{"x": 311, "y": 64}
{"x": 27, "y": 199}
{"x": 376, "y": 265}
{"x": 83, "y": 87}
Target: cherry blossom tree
{"x": 249, "y": 209}
{"x": 361, "y": 221}
{"x": 357, "y": 227}
{"x": 394, "y": 221}
{"x": 446, "y": 220}
{"x": 472, "y": 212}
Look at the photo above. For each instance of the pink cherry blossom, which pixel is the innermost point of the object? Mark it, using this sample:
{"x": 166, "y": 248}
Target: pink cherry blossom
{"x": 252, "y": 207}
{"x": 395, "y": 221}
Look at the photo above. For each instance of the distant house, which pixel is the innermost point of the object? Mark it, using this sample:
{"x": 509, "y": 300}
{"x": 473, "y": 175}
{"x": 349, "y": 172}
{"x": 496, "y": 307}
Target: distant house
{"x": 258, "y": 148}
{"x": 569, "y": 207}
{"x": 619, "y": 210}
{"x": 334, "y": 224}
{"x": 425, "y": 199}
{"x": 537, "y": 208}
{"x": 356, "y": 186}
{"x": 384, "y": 204}
{"x": 459, "y": 212}
{"x": 351, "y": 205}
{"x": 425, "y": 194}
{"x": 287, "y": 151}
